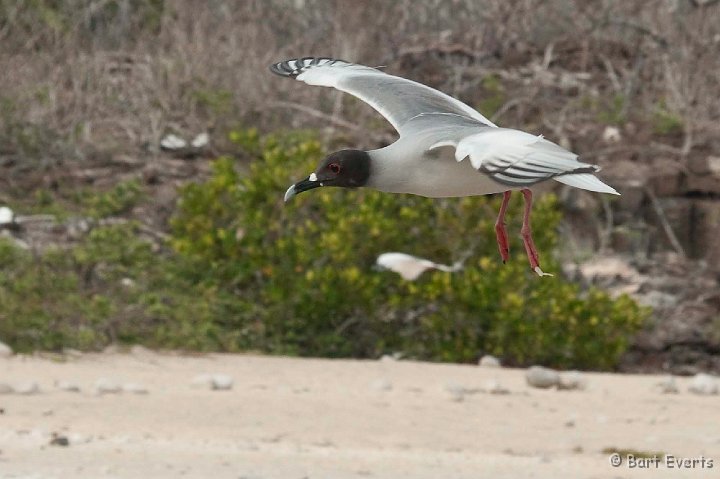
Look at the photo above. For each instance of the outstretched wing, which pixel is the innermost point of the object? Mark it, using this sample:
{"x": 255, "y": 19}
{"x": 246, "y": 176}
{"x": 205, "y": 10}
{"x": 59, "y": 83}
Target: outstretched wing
{"x": 519, "y": 160}
{"x": 397, "y": 99}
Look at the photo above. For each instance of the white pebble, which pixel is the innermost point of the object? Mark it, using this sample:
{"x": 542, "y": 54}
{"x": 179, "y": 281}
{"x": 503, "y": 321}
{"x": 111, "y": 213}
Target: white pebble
{"x": 704, "y": 385}
{"x": 5, "y": 350}
{"x": 6, "y": 215}
{"x": 382, "y": 385}
{"x": 106, "y": 386}
{"x": 172, "y": 142}
{"x": 541, "y": 377}
{"x": 494, "y": 387}
{"x": 489, "y": 361}
{"x": 68, "y": 386}
{"x": 222, "y": 382}
{"x": 611, "y": 134}
{"x": 571, "y": 381}
{"x": 201, "y": 140}
{"x": 668, "y": 386}
{"x": 27, "y": 388}
{"x": 134, "y": 388}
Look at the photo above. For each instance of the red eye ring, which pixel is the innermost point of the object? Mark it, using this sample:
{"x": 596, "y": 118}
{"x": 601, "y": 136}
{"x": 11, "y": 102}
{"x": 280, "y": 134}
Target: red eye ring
{"x": 334, "y": 167}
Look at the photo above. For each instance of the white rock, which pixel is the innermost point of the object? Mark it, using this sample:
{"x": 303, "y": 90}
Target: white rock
{"x": 127, "y": 283}
{"x": 72, "y": 353}
{"x": 541, "y": 377}
{"x": 611, "y": 134}
{"x": 139, "y": 350}
{"x": 571, "y": 380}
{"x": 382, "y": 385}
{"x": 5, "y": 388}
{"x": 68, "y": 386}
{"x": 134, "y": 388}
{"x": 27, "y": 388}
{"x": 489, "y": 361}
{"x": 387, "y": 358}
{"x": 201, "y": 140}
{"x": 494, "y": 387}
{"x": 6, "y": 215}
{"x": 668, "y": 386}
{"x": 172, "y": 142}
{"x": 106, "y": 386}
{"x": 222, "y": 382}
{"x": 5, "y": 350}
{"x": 704, "y": 385}
{"x": 457, "y": 392}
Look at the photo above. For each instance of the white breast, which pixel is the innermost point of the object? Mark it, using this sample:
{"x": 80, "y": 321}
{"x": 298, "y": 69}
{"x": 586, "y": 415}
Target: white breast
{"x": 435, "y": 174}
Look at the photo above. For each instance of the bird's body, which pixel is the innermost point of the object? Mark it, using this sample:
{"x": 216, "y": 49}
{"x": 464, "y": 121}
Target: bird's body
{"x": 411, "y": 165}
{"x": 445, "y": 149}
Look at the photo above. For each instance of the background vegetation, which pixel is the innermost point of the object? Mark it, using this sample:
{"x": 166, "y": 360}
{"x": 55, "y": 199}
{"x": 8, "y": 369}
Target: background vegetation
{"x": 243, "y": 271}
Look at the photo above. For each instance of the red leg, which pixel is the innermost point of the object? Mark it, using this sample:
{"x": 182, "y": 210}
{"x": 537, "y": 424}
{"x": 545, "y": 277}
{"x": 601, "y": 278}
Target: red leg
{"x": 526, "y": 233}
{"x": 500, "y": 232}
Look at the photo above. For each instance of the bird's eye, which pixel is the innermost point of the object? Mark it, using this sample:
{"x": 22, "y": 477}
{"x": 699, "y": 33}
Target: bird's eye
{"x": 334, "y": 167}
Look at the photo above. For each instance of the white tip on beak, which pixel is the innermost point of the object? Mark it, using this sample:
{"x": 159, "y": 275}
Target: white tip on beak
{"x": 290, "y": 193}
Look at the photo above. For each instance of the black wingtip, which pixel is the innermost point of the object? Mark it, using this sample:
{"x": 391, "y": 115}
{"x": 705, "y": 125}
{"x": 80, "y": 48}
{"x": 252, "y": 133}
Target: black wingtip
{"x": 293, "y": 67}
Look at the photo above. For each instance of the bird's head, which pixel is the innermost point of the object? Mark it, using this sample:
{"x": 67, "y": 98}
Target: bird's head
{"x": 346, "y": 168}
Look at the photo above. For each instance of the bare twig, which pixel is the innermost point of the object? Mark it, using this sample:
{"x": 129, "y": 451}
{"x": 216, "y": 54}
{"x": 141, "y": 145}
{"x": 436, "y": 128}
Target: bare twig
{"x": 315, "y": 113}
{"x": 665, "y": 223}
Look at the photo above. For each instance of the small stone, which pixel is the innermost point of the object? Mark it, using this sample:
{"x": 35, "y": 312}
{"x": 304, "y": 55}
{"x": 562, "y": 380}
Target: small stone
{"x": 106, "y": 386}
{"x": 668, "y": 386}
{"x": 140, "y": 350}
{"x": 456, "y": 391}
{"x": 494, "y": 387}
{"x": 200, "y": 141}
{"x": 5, "y": 388}
{"x": 382, "y": 385}
{"x": 222, "y": 382}
{"x": 58, "y": 440}
{"x": 541, "y": 377}
{"x": 72, "y": 353}
{"x": 67, "y": 386}
{"x": 127, "y": 283}
{"x": 5, "y": 350}
{"x": 6, "y": 215}
{"x": 571, "y": 381}
{"x": 27, "y": 388}
{"x": 134, "y": 388}
{"x": 570, "y": 423}
{"x": 704, "y": 385}
{"x": 172, "y": 142}
{"x": 611, "y": 134}
{"x": 489, "y": 361}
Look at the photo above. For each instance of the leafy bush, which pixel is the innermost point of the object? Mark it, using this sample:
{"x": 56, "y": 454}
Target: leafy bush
{"x": 245, "y": 271}
{"x": 304, "y": 271}
{"x": 111, "y": 287}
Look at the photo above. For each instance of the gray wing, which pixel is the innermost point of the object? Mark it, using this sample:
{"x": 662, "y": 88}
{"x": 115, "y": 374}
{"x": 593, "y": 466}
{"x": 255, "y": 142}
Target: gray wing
{"x": 397, "y": 99}
{"x": 510, "y": 157}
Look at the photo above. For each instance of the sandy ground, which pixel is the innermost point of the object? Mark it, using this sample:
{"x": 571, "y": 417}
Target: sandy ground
{"x": 310, "y": 418}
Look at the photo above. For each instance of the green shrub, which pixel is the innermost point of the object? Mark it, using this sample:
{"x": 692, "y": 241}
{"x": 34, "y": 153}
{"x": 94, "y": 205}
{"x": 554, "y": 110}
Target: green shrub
{"x": 304, "y": 271}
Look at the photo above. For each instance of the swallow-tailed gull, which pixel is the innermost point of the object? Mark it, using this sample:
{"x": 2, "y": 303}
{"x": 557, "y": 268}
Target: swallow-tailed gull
{"x": 445, "y": 149}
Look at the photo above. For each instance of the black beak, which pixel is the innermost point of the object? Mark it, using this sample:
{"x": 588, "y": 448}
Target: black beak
{"x": 301, "y": 186}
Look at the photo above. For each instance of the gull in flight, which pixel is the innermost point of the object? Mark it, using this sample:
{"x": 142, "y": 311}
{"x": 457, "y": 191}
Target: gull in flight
{"x": 445, "y": 148}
